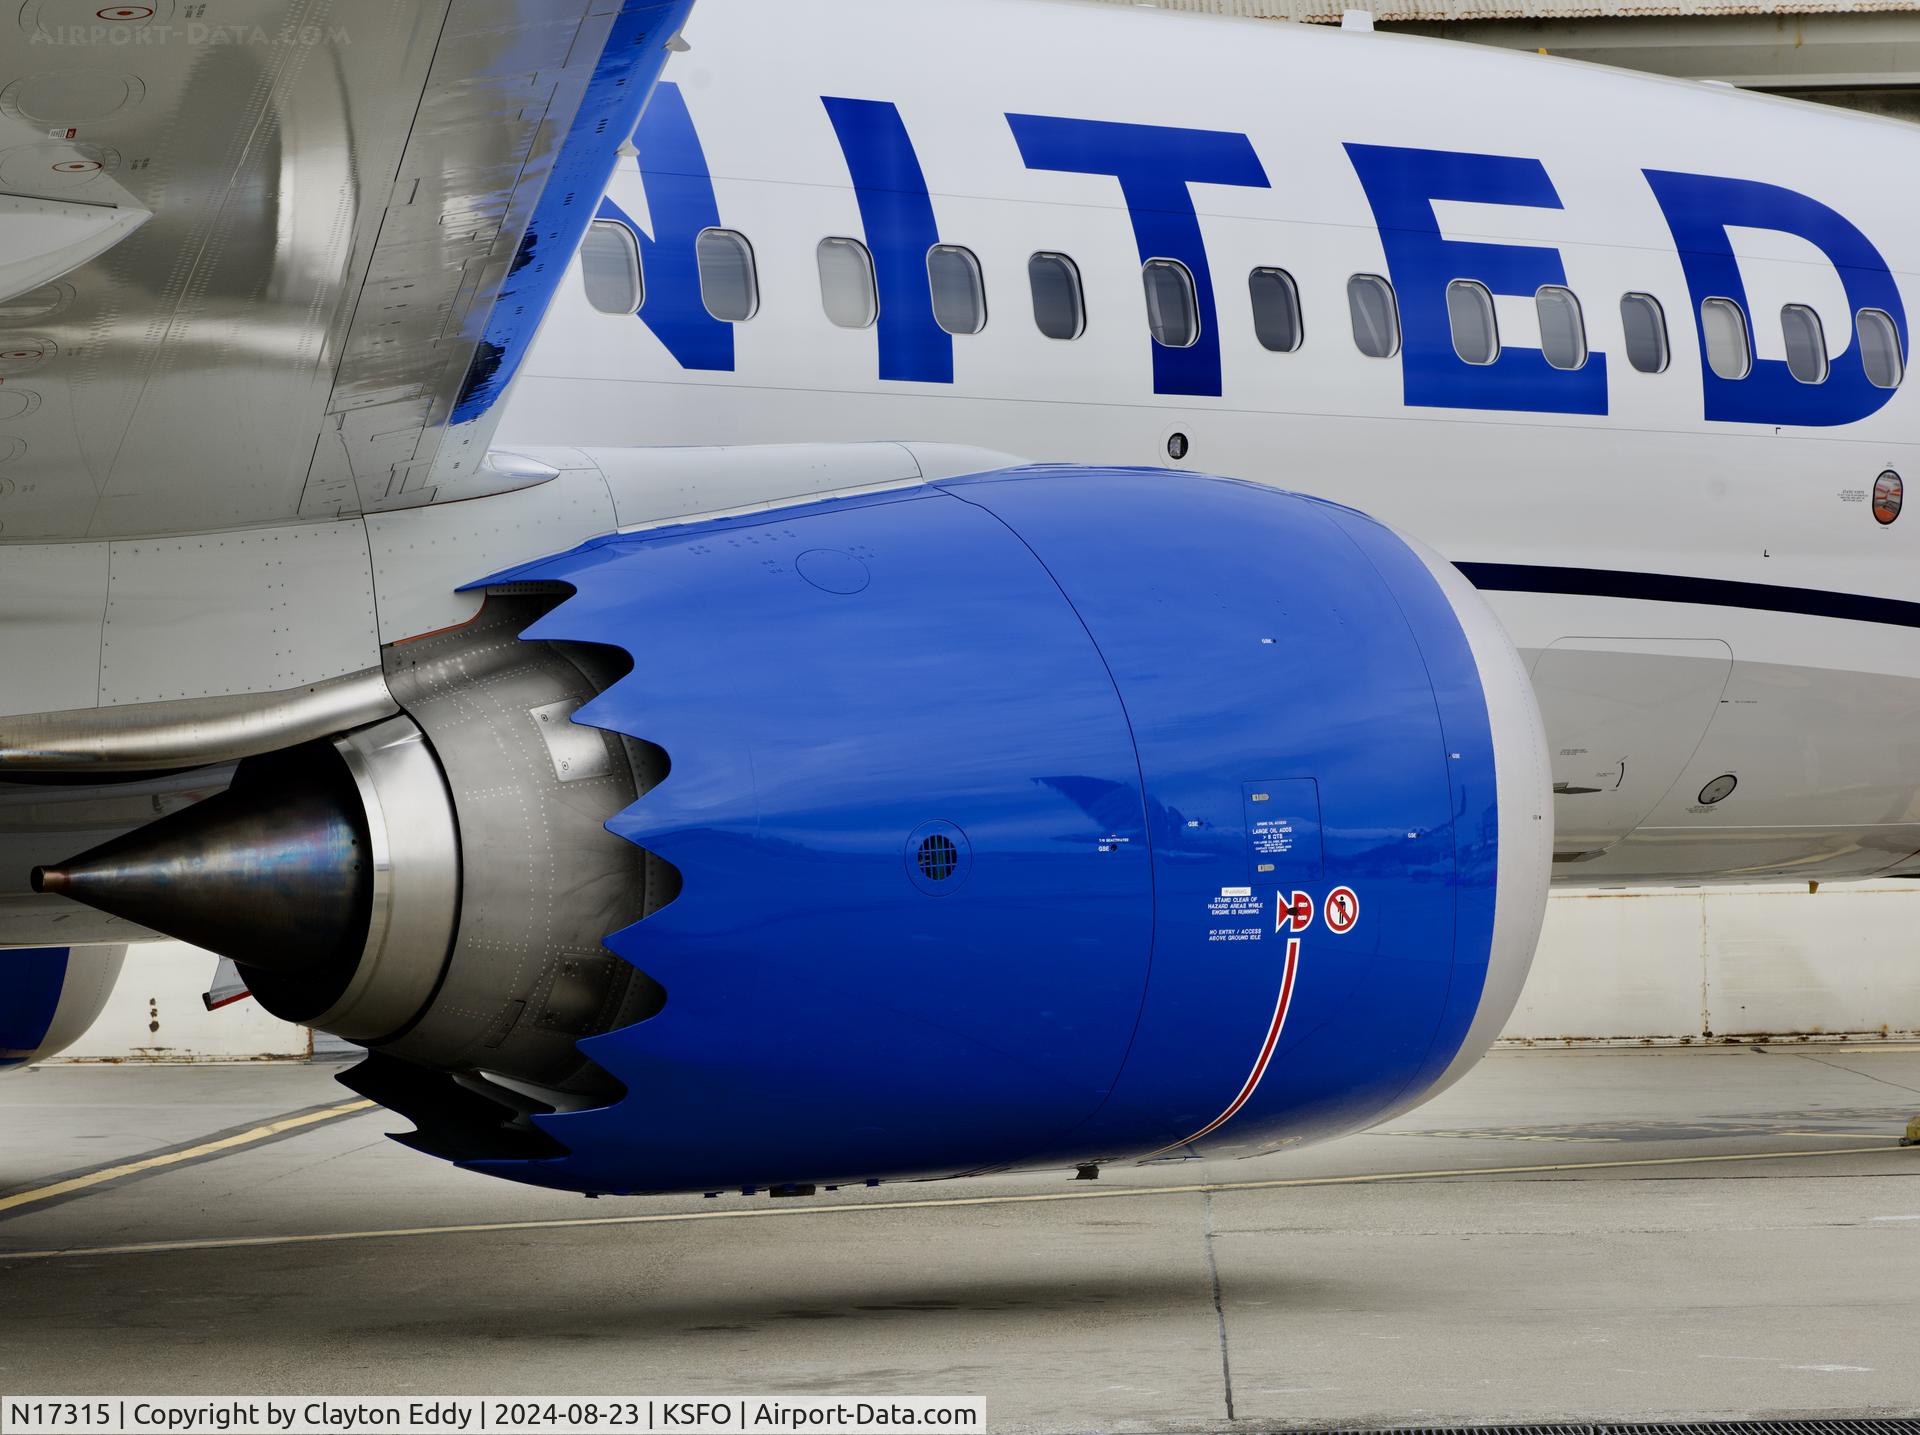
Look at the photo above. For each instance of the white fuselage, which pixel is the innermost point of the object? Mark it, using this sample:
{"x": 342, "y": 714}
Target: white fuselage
{"x": 1803, "y": 686}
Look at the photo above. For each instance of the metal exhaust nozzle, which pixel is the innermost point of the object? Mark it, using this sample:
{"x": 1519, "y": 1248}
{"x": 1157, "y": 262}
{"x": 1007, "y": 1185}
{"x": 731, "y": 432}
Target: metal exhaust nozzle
{"x": 274, "y": 872}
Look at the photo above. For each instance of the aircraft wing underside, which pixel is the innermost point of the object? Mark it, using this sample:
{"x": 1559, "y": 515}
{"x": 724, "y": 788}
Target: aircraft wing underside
{"x": 359, "y": 211}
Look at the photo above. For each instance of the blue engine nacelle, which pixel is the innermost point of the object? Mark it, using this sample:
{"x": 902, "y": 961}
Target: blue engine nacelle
{"x": 1049, "y": 816}
{"x": 49, "y": 996}
{"x": 1053, "y": 815}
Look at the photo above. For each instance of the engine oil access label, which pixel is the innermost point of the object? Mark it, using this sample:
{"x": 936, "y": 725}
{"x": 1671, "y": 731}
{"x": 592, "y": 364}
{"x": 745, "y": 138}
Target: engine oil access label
{"x": 1283, "y": 830}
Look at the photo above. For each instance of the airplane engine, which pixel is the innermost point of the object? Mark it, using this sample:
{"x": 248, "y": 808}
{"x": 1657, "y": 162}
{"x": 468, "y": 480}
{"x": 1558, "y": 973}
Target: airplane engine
{"x": 1049, "y": 816}
{"x": 49, "y": 996}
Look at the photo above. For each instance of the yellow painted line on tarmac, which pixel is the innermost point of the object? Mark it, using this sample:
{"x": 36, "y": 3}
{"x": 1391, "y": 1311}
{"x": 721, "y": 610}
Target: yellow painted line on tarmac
{"x": 231, "y": 1243}
{"x": 174, "y": 1158}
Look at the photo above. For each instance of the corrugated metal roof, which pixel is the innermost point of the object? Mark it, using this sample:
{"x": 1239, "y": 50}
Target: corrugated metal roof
{"x": 1328, "y": 11}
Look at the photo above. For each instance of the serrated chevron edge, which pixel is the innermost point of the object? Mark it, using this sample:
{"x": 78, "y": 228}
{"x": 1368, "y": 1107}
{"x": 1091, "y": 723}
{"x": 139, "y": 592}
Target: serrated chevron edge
{"x": 708, "y": 782}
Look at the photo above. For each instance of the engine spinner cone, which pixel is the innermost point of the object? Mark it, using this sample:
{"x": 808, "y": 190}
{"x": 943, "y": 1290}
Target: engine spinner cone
{"x": 275, "y": 872}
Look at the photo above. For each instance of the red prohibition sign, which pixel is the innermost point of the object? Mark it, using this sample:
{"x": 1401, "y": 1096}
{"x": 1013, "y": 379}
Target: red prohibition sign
{"x": 1297, "y": 914}
{"x": 1342, "y": 910}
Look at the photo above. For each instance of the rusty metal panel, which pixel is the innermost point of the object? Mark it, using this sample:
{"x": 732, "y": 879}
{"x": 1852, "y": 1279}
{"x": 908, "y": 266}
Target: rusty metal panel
{"x": 155, "y": 1014}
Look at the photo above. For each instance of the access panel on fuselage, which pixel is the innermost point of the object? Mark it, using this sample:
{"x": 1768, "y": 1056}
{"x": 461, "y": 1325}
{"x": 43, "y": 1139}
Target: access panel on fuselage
{"x": 1624, "y": 716}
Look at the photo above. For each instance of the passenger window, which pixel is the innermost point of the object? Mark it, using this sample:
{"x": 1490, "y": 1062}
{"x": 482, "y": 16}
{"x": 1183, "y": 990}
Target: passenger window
{"x": 846, "y": 283}
{"x": 1376, "y": 317}
{"x": 1276, "y": 310}
{"x": 729, "y": 285}
{"x": 1645, "y": 323}
{"x": 1173, "y": 313}
{"x": 1563, "y": 330}
{"x": 1058, "y": 309}
{"x": 1476, "y": 338}
{"x": 1880, "y": 348}
{"x": 959, "y": 293}
{"x": 610, "y": 267}
{"x": 1806, "y": 344}
{"x": 1723, "y": 323}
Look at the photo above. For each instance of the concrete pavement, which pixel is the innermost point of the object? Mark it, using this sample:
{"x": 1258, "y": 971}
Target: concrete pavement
{"x": 1644, "y": 1234}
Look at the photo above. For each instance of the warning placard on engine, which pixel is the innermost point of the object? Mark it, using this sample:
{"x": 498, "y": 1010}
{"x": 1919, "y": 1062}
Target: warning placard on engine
{"x": 1236, "y": 915}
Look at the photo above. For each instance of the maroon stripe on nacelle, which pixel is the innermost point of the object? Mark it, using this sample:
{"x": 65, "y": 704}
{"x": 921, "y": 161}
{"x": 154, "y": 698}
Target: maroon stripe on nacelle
{"x": 1280, "y": 1005}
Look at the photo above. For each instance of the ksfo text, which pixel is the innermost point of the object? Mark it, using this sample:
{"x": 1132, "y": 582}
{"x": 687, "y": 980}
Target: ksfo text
{"x": 233, "y": 1415}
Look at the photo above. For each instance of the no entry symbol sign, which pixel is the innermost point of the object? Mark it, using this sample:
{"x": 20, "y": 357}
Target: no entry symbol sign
{"x": 1342, "y": 910}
